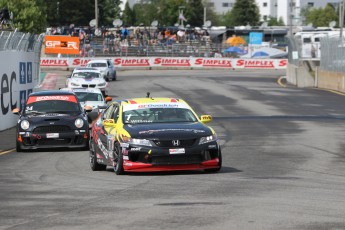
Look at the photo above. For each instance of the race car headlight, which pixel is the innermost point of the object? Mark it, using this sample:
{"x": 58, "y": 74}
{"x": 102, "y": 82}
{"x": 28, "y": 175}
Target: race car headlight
{"x": 102, "y": 84}
{"x": 24, "y": 124}
{"x": 74, "y": 84}
{"x": 208, "y": 139}
{"x": 79, "y": 123}
{"x": 135, "y": 141}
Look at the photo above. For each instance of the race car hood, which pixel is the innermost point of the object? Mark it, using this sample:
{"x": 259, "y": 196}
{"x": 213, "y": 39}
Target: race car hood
{"x": 93, "y": 104}
{"x": 168, "y": 130}
{"x": 87, "y": 80}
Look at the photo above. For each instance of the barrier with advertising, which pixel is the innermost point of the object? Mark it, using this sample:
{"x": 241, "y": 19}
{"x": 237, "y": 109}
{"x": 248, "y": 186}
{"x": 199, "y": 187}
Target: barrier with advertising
{"x": 172, "y": 62}
{"x": 56, "y": 44}
{"x": 19, "y": 76}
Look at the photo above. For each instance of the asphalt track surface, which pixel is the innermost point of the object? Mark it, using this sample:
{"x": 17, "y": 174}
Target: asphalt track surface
{"x": 283, "y": 164}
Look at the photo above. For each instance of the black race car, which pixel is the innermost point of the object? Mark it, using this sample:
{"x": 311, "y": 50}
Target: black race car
{"x": 52, "y": 119}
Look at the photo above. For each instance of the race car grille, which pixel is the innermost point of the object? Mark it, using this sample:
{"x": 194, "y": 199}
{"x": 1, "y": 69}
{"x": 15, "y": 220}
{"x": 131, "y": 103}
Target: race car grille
{"x": 88, "y": 86}
{"x": 53, "y": 141}
{"x": 176, "y": 160}
{"x": 170, "y": 143}
{"x": 52, "y": 129}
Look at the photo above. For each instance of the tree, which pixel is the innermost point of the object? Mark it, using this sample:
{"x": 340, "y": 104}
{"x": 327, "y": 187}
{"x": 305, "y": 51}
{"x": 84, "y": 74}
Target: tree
{"x": 274, "y": 22}
{"x": 320, "y": 17}
{"x": 168, "y": 11}
{"x": 109, "y": 10}
{"x": 245, "y": 12}
{"x": 194, "y": 13}
{"x": 65, "y": 12}
{"x": 128, "y": 15}
{"x": 28, "y": 15}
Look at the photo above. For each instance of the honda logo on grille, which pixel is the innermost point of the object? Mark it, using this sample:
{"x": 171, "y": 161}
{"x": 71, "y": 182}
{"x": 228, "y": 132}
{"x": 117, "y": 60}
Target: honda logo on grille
{"x": 176, "y": 142}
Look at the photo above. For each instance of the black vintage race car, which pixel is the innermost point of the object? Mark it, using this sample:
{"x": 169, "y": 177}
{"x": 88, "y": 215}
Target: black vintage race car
{"x": 153, "y": 134}
{"x": 52, "y": 119}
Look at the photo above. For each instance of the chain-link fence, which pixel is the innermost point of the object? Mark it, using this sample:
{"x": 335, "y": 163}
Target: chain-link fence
{"x": 332, "y": 54}
{"x": 330, "y": 51}
{"x": 13, "y": 40}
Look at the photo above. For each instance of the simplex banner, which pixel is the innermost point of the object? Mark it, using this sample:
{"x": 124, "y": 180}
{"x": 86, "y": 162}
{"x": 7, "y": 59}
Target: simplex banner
{"x": 171, "y": 62}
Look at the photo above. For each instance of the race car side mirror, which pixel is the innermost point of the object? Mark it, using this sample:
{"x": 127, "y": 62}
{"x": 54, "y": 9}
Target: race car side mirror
{"x": 205, "y": 118}
{"x": 16, "y": 111}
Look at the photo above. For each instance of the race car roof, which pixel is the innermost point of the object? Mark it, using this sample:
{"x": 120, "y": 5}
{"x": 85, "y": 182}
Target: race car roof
{"x": 51, "y": 92}
{"x": 146, "y": 100}
{"x": 83, "y": 70}
{"x": 88, "y": 90}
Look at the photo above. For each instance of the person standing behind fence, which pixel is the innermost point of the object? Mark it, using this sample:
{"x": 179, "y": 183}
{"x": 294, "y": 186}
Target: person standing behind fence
{"x": 124, "y": 33}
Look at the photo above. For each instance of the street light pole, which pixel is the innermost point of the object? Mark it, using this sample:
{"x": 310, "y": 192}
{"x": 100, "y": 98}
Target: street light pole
{"x": 290, "y": 16}
{"x": 96, "y": 13}
{"x": 341, "y": 17}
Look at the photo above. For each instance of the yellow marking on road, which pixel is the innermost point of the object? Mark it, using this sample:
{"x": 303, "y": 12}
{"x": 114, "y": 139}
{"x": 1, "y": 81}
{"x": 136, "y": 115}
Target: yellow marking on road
{"x": 8, "y": 151}
{"x": 280, "y": 81}
{"x": 332, "y": 91}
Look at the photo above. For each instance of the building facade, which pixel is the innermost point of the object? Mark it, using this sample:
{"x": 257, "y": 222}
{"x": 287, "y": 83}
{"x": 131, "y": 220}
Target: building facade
{"x": 288, "y": 10}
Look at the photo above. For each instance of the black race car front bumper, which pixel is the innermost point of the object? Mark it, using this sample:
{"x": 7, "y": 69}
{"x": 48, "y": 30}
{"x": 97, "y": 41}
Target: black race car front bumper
{"x": 70, "y": 139}
{"x": 153, "y": 158}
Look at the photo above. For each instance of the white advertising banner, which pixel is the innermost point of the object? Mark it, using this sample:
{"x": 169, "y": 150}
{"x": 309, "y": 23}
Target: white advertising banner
{"x": 172, "y": 62}
{"x": 19, "y": 75}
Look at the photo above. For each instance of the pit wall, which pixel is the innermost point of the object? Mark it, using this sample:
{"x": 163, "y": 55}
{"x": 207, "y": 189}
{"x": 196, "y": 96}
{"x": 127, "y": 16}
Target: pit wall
{"x": 19, "y": 76}
{"x": 331, "y": 80}
{"x": 308, "y": 74}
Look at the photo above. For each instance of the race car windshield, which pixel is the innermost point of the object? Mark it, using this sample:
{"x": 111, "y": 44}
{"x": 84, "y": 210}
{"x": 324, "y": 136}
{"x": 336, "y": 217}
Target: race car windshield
{"x": 86, "y": 96}
{"x": 86, "y": 75}
{"x": 50, "y": 106}
{"x": 158, "y": 115}
{"x": 98, "y": 65}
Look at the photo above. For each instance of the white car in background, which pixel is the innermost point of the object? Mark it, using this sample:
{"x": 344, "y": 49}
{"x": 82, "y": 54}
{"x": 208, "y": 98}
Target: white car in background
{"x": 90, "y": 97}
{"x": 87, "y": 78}
{"x": 106, "y": 67}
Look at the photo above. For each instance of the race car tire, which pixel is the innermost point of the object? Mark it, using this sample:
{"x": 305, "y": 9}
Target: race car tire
{"x": 107, "y": 78}
{"x": 93, "y": 160}
{"x": 118, "y": 168}
{"x": 114, "y": 76}
{"x": 219, "y": 164}
{"x": 18, "y": 148}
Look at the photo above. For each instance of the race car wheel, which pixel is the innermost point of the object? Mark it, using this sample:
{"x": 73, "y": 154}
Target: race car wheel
{"x": 118, "y": 156}
{"x": 114, "y": 76}
{"x": 219, "y": 164}
{"x": 18, "y": 148}
{"x": 93, "y": 160}
{"x": 107, "y": 78}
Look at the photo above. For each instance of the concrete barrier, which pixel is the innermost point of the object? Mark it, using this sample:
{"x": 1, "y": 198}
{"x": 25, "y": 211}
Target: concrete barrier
{"x": 19, "y": 76}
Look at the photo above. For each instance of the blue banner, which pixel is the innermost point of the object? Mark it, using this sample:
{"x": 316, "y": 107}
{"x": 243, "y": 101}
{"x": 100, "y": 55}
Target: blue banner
{"x": 255, "y": 38}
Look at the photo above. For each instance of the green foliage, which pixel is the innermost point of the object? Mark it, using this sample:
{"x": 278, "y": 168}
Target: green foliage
{"x": 274, "y": 22}
{"x": 245, "y": 12}
{"x": 194, "y": 13}
{"x": 28, "y": 15}
{"x": 109, "y": 10}
{"x": 128, "y": 15}
{"x": 320, "y": 17}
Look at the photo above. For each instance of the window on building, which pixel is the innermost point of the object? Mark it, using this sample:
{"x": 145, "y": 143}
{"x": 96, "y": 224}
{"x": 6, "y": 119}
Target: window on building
{"x": 226, "y": 4}
{"x": 264, "y": 4}
{"x": 265, "y": 17}
{"x": 310, "y": 4}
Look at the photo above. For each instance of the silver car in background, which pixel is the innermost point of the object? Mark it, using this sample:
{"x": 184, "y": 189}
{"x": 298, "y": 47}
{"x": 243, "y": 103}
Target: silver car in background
{"x": 105, "y": 66}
